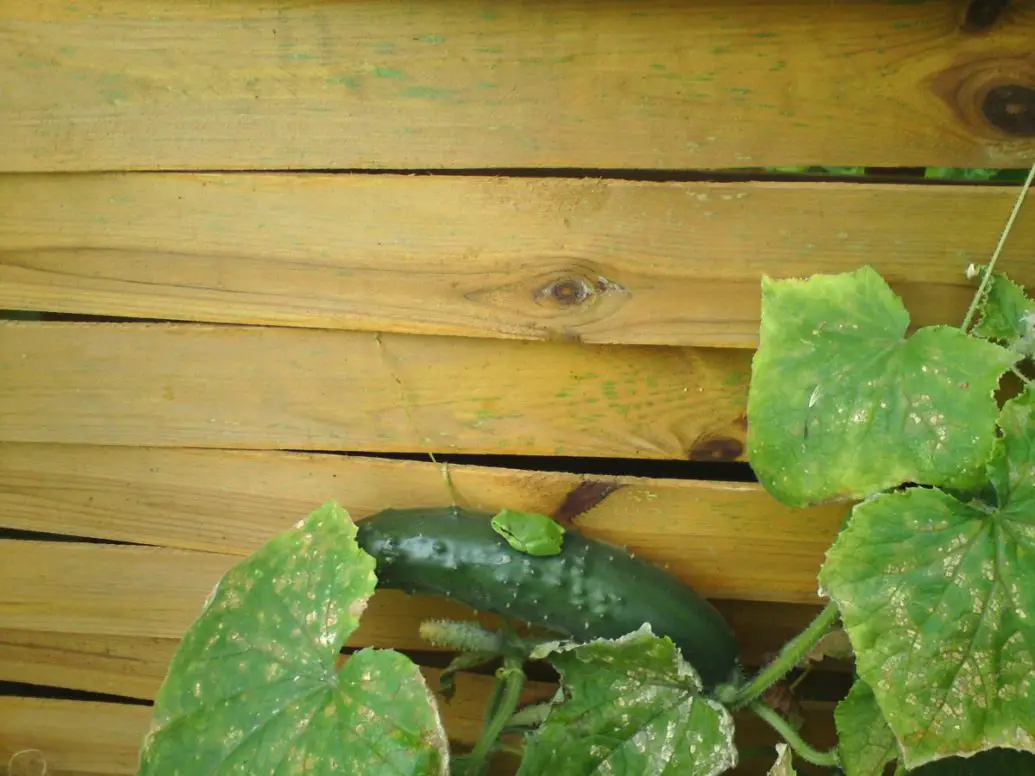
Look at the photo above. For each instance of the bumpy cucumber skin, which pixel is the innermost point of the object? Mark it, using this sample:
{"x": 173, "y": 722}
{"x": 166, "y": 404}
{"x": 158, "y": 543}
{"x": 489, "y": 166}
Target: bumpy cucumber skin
{"x": 590, "y": 590}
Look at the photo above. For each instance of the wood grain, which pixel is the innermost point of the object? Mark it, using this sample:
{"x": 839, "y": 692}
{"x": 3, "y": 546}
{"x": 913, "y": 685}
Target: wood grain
{"x": 134, "y": 666}
{"x": 127, "y": 84}
{"x": 613, "y": 262}
{"x": 249, "y": 387}
{"x": 105, "y": 737}
{"x": 730, "y": 540}
{"x": 150, "y": 592}
{"x": 89, "y": 590}
{"x": 102, "y": 739}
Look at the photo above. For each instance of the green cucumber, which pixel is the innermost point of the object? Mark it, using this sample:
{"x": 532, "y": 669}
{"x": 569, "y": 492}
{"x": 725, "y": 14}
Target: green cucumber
{"x": 589, "y": 590}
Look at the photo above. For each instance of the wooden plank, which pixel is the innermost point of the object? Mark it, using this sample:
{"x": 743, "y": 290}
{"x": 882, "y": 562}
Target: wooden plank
{"x": 249, "y": 387}
{"x": 78, "y": 738}
{"x": 134, "y": 666}
{"x": 87, "y": 590}
{"x": 127, "y": 84}
{"x": 105, "y": 737}
{"x": 729, "y": 540}
{"x": 151, "y": 592}
{"x": 613, "y": 262}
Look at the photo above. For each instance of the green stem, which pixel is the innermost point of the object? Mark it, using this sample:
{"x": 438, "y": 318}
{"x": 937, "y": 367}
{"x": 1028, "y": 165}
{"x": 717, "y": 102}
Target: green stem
{"x": 791, "y": 655}
{"x": 513, "y": 681}
{"x": 987, "y": 278}
{"x": 900, "y": 769}
{"x": 796, "y": 742}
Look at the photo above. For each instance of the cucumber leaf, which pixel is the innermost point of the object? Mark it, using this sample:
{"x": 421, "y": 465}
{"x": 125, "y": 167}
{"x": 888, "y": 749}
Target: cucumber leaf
{"x": 628, "y": 707}
{"x": 784, "y": 765}
{"x": 843, "y": 405}
{"x": 253, "y": 689}
{"x": 938, "y": 598}
{"x": 1008, "y": 315}
{"x": 865, "y": 742}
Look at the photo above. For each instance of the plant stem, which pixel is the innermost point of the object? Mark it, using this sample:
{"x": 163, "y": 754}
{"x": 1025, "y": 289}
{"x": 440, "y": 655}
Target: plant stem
{"x": 791, "y": 654}
{"x": 790, "y": 735}
{"x": 513, "y": 681}
{"x": 900, "y": 769}
{"x": 987, "y": 278}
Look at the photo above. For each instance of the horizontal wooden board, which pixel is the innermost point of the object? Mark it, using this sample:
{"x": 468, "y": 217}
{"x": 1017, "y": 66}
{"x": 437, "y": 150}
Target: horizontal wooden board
{"x": 79, "y": 738}
{"x": 250, "y": 387}
{"x": 102, "y": 738}
{"x": 150, "y": 592}
{"x": 87, "y": 590}
{"x": 614, "y": 262}
{"x": 128, "y": 84}
{"x": 729, "y": 540}
{"x": 134, "y": 666}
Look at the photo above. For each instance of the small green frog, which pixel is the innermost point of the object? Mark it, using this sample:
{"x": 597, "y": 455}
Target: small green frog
{"x": 529, "y": 532}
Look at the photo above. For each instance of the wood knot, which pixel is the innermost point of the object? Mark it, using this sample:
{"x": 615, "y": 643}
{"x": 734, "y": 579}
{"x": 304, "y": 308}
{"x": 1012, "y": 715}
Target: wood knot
{"x": 566, "y": 292}
{"x": 983, "y": 14}
{"x": 572, "y": 289}
{"x": 1011, "y": 109}
{"x": 993, "y": 95}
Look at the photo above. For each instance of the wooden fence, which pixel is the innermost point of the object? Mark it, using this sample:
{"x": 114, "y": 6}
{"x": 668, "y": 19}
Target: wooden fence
{"x": 276, "y": 241}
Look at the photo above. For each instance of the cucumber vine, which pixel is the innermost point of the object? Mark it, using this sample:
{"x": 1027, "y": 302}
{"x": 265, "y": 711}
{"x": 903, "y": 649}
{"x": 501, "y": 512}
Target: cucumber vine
{"x": 931, "y": 580}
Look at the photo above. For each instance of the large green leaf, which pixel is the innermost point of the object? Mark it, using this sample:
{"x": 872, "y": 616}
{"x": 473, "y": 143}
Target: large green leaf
{"x": 629, "y": 707}
{"x": 938, "y": 598}
{"x": 843, "y": 405}
{"x": 865, "y": 742}
{"x": 254, "y": 691}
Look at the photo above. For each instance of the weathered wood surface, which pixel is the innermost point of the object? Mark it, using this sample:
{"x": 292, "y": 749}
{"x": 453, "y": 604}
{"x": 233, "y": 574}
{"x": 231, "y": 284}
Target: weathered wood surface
{"x": 304, "y": 389}
{"x": 134, "y": 666}
{"x": 155, "y": 593}
{"x": 729, "y": 540}
{"x": 102, "y": 739}
{"x": 128, "y": 84}
{"x": 614, "y": 262}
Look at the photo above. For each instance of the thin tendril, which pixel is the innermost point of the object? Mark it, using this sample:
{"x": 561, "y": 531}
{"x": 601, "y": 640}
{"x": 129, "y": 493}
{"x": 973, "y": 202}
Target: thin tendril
{"x": 983, "y": 288}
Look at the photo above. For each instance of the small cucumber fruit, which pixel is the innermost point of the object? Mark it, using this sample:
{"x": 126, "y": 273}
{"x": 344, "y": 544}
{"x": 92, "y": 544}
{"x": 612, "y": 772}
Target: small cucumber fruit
{"x": 589, "y": 590}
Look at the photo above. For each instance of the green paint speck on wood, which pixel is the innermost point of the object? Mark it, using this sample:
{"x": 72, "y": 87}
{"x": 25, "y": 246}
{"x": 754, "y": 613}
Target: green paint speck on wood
{"x": 389, "y": 72}
{"x": 428, "y": 92}
{"x": 345, "y": 80}
{"x": 432, "y": 39}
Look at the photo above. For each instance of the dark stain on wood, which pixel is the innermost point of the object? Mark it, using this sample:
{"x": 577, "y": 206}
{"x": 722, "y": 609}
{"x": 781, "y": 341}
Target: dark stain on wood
{"x": 566, "y": 291}
{"x": 716, "y": 449}
{"x": 983, "y": 14}
{"x": 994, "y": 96}
{"x": 582, "y": 498}
{"x": 1011, "y": 109}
